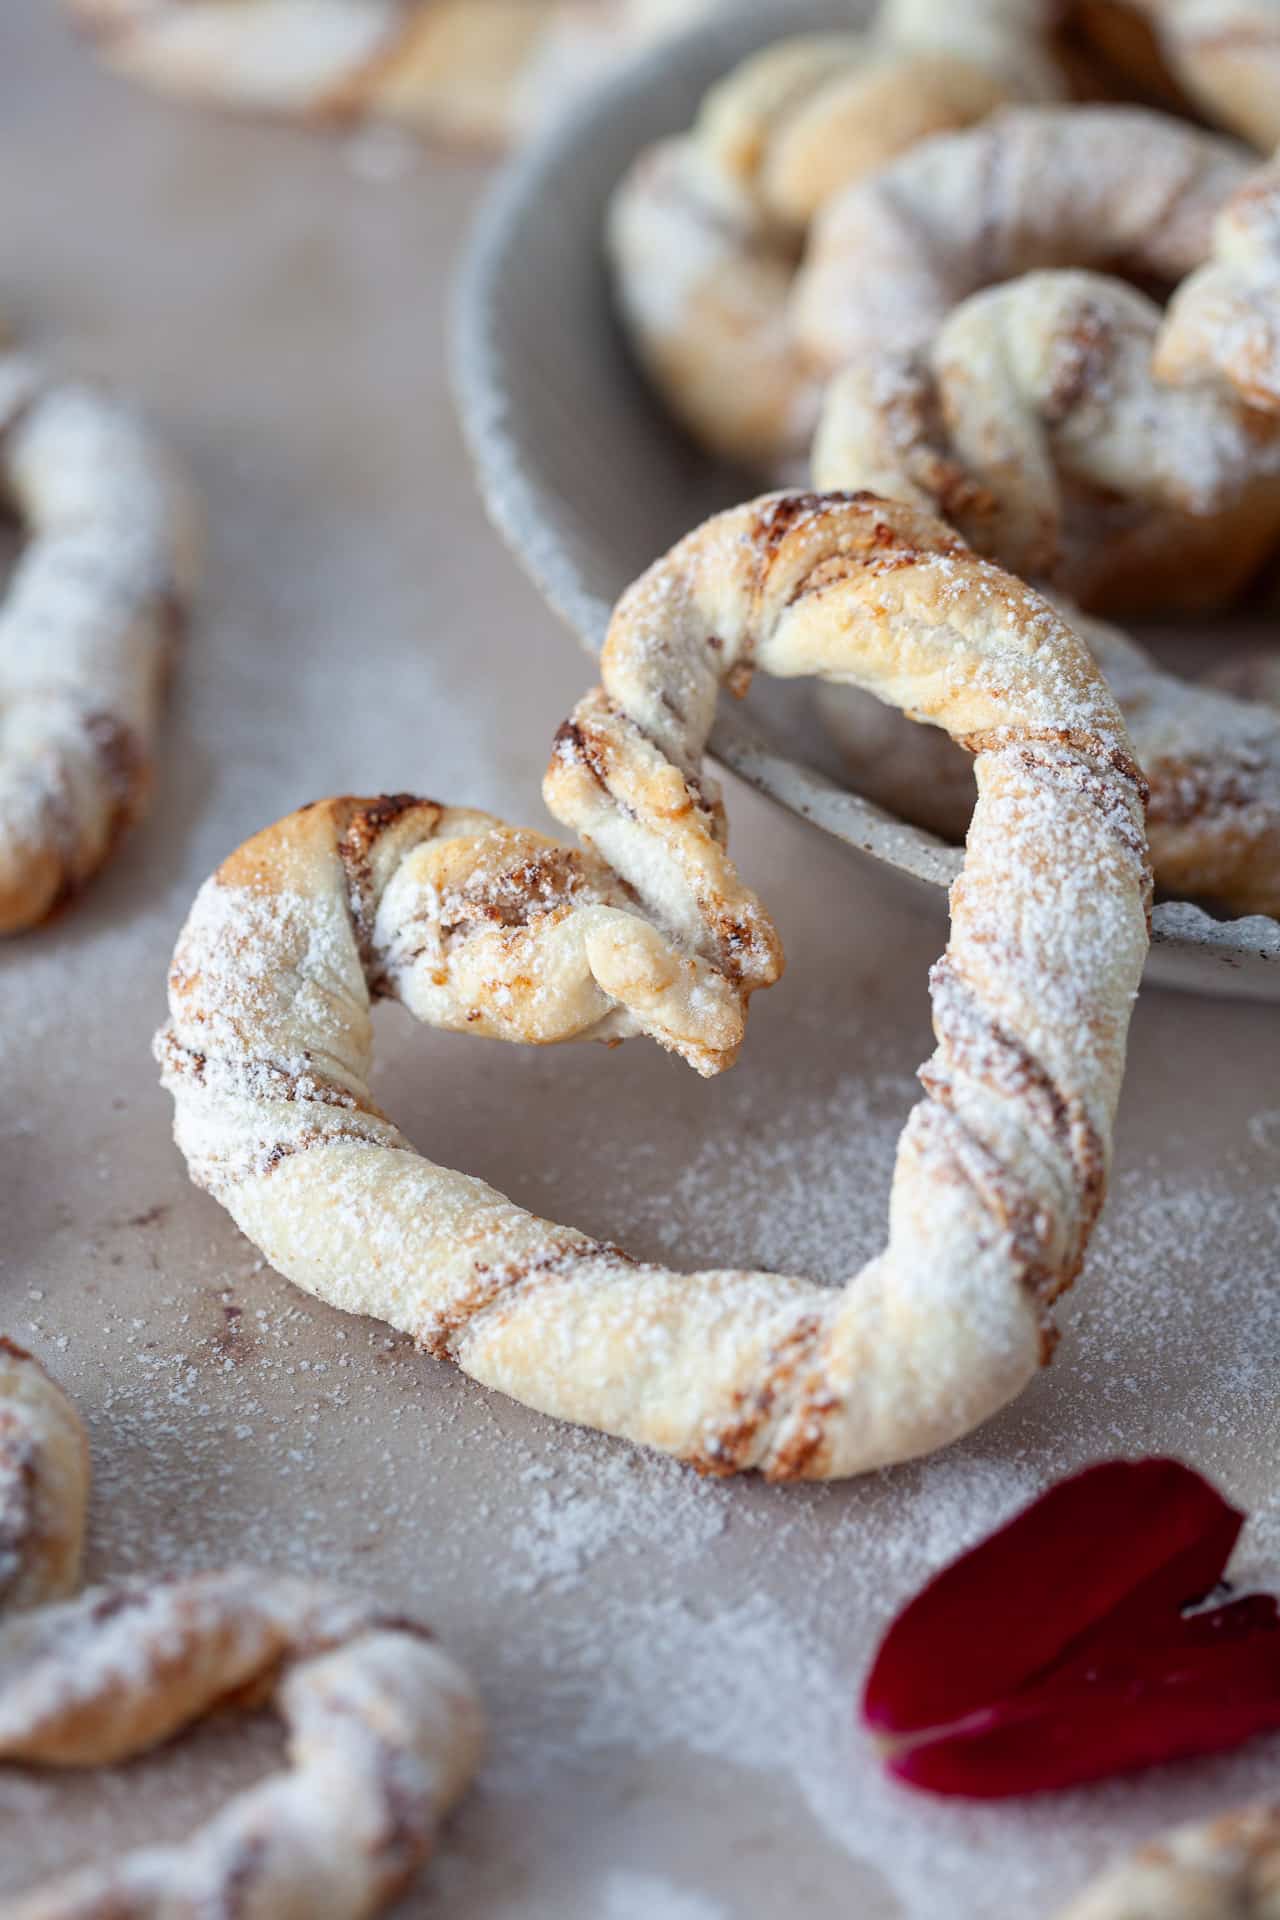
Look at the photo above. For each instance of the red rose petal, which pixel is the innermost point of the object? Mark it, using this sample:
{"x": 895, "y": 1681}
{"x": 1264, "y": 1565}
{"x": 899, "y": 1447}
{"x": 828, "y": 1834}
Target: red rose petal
{"x": 1060, "y": 1650}
{"x": 1127, "y": 1713}
{"x": 1120, "y": 1543}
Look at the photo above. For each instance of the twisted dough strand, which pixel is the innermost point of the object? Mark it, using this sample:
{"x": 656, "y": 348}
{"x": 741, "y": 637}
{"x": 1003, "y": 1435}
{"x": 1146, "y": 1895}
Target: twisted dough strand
{"x": 1002, "y": 1167}
{"x": 383, "y": 1729}
{"x": 1223, "y": 323}
{"x": 1034, "y": 424}
{"x": 383, "y": 1735}
{"x": 1212, "y": 762}
{"x": 85, "y": 628}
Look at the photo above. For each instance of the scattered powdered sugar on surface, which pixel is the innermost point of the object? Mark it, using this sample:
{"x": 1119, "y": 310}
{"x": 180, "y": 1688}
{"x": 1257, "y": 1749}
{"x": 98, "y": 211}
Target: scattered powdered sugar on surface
{"x": 631, "y": 1619}
{"x": 670, "y": 1665}
{"x": 641, "y": 1896}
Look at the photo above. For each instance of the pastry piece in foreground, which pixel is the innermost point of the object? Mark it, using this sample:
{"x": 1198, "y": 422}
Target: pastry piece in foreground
{"x": 384, "y": 1731}
{"x": 1002, "y": 1166}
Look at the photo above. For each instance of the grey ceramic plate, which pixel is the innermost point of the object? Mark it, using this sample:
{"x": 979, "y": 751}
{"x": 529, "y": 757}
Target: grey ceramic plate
{"x": 587, "y": 481}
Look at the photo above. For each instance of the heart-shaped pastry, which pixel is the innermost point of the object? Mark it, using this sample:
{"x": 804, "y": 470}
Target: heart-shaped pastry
{"x": 472, "y": 925}
{"x": 979, "y": 371}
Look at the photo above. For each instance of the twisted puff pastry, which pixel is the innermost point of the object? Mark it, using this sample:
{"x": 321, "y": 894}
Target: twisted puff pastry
{"x": 704, "y": 231}
{"x": 484, "y": 70}
{"x": 1212, "y": 762}
{"x": 1226, "y": 1866}
{"x": 1002, "y": 1166}
{"x": 1223, "y": 324}
{"x": 1034, "y": 415}
{"x": 384, "y": 1730}
{"x": 1225, "y": 53}
{"x": 85, "y": 628}
{"x": 1034, "y": 424}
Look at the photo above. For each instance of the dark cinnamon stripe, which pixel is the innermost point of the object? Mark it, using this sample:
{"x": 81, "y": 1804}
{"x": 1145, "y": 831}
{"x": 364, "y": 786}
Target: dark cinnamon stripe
{"x": 987, "y": 1053}
{"x": 356, "y": 843}
{"x": 1081, "y": 359}
{"x": 575, "y": 744}
{"x": 732, "y": 1446}
{"x": 284, "y": 1083}
{"x": 490, "y": 1283}
{"x": 312, "y": 1137}
{"x": 1090, "y": 753}
{"x": 1006, "y": 1201}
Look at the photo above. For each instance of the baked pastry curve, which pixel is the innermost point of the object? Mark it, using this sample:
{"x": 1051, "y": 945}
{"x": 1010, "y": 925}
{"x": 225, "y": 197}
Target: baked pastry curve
{"x": 86, "y": 623}
{"x": 1223, "y": 324}
{"x": 384, "y": 1731}
{"x": 1210, "y": 753}
{"x": 475, "y": 926}
{"x": 1226, "y": 1866}
{"x": 987, "y": 362}
{"x": 1224, "y": 53}
{"x": 471, "y": 70}
{"x": 705, "y": 231}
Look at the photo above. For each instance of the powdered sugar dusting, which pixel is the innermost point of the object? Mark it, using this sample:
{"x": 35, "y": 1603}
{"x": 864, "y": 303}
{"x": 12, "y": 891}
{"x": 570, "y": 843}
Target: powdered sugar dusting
{"x": 363, "y": 633}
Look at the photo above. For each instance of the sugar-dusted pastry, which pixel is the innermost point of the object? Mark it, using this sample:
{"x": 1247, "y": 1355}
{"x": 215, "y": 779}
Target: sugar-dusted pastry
{"x": 1224, "y": 53}
{"x": 1212, "y": 762}
{"x": 1036, "y": 422}
{"x": 1226, "y": 1868}
{"x": 1002, "y": 1166}
{"x": 1032, "y": 405}
{"x": 705, "y": 230}
{"x": 1223, "y": 324}
{"x": 485, "y": 70}
{"x": 384, "y": 1731}
{"x": 86, "y": 623}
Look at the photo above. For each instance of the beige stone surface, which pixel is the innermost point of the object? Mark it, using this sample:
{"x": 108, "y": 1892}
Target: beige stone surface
{"x": 671, "y": 1667}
